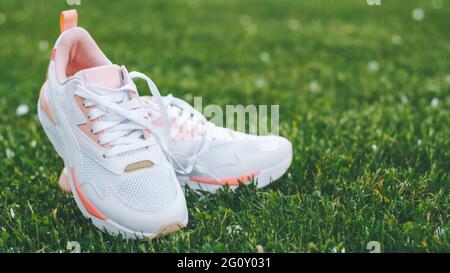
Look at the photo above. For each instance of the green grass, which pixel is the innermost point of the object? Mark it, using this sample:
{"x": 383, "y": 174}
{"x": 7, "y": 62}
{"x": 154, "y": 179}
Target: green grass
{"x": 371, "y": 150}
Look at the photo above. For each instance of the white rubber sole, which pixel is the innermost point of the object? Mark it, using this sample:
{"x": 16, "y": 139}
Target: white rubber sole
{"x": 54, "y": 134}
{"x": 263, "y": 179}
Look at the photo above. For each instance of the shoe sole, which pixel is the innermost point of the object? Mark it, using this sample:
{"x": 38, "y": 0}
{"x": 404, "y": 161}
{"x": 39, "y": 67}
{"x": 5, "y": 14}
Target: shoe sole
{"x": 263, "y": 179}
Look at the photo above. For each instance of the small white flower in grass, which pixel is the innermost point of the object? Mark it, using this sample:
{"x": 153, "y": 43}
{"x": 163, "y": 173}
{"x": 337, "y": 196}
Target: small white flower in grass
{"x": 251, "y": 29}
{"x": 2, "y": 18}
{"x": 11, "y": 212}
{"x": 341, "y": 76}
{"x": 43, "y": 45}
{"x": 439, "y": 232}
{"x": 404, "y": 99}
{"x": 229, "y": 230}
{"x": 33, "y": 143}
{"x": 245, "y": 20}
{"x": 22, "y": 110}
{"x": 194, "y": 4}
{"x": 314, "y": 86}
{"x": 436, "y": 4}
{"x": 418, "y": 14}
{"x": 188, "y": 97}
{"x": 260, "y": 83}
{"x": 74, "y": 247}
{"x": 374, "y": 147}
{"x": 419, "y": 142}
{"x": 264, "y": 57}
{"x": 259, "y": 249}
{"x": 334, "y": 250}
{"x": 373, "y": 66}
{"x": 293, "y": 24}
{"x": 396, "y": 39}
{"x": 9, "y": 153}
{"x": 187, "y": 69}
{"x": 233, "y": 229}
{"x": 434, "y": 102}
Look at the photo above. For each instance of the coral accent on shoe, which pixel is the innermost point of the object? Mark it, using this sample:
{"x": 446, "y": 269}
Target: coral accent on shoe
{"x": 87, "y": 126}
{"x": 87, "y": 205}
{"x": 52, "y": 58}
{"x": 109, "y": 76}
{"x": 45, "y": 106}
{"x": 68, "y": 19}
{"x": 230, "y": 181}
{"x": 64, "y": 182}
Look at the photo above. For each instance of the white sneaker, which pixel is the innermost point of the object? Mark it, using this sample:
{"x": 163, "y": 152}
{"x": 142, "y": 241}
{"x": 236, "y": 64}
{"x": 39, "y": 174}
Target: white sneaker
{"x": 116, "y": 169}
{"x": 207, "y": 157}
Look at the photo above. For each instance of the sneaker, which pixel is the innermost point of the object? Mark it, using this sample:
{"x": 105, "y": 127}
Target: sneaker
{"x": 207, "y": 157}
{"x": 114, "y": 161}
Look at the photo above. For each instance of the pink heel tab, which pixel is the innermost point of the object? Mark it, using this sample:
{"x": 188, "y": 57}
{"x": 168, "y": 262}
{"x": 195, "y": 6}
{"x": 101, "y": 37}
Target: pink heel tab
{"x": 68, "y": 19}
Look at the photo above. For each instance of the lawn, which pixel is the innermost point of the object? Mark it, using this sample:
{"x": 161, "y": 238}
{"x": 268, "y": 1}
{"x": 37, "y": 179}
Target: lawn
{"x": 364, "y": 95}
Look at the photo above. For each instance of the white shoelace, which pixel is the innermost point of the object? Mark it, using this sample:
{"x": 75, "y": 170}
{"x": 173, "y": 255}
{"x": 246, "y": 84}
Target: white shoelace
{"x": 124, "y": 119}
{"x": 188, "y": 118}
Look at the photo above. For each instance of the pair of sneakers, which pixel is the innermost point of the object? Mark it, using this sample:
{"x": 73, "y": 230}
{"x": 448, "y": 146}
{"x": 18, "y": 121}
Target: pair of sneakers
{"x": 127, "y": 157}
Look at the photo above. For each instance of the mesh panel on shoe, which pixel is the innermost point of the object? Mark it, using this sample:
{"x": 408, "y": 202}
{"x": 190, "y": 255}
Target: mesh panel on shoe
{"x": 145, "y": 189}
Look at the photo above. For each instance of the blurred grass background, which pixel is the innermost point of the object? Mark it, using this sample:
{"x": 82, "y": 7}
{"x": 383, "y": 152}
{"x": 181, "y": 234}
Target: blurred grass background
{"x": 363, "y": 94}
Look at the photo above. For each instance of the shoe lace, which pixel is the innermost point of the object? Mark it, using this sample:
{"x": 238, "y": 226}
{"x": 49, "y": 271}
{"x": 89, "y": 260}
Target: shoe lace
{"x": 192, "y": 122}
{"x": 122, "y": 118}
{"x": 164, "y": 138}
{"x": 189, "y": 120}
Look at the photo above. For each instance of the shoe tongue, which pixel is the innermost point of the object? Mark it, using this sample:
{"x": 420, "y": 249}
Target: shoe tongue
{"x": 109, "y": 76}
